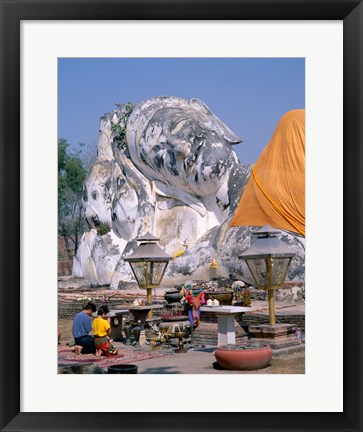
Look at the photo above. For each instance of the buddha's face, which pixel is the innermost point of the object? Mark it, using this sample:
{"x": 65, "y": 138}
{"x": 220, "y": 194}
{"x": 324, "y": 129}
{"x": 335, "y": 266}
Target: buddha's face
{"x": 109, "y": 199}
{"x": 183, "y": 145}
{"x": 97, "y": 194}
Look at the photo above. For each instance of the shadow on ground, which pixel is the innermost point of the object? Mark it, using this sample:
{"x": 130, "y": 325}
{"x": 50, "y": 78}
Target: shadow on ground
{"x": 206, "y": 350}
{"x": 160, "y": 370}
{"x": 79, "y": 369}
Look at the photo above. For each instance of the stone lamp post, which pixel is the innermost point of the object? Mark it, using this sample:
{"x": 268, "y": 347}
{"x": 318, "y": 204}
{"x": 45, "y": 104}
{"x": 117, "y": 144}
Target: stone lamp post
{"x": 268, "y": 259}
{"x": 148, "y": 263}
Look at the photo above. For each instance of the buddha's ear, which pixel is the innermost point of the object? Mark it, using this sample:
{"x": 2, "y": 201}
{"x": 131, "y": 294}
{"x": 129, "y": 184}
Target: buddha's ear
{"x": 217, "y": 124}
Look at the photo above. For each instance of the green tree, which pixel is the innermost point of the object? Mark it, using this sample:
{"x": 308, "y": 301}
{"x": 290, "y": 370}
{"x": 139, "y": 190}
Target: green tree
{"x": 71, "y": 176}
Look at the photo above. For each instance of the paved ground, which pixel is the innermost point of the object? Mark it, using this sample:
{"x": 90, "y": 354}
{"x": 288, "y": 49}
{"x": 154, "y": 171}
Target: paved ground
{"x": 200, "y": 360}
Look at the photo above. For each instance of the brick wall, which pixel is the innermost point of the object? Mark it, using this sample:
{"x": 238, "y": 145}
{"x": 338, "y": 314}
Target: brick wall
{"x": 64, "y": 263}
{"x": 298, "y": 320}
{"x": 65, "y": 268}
{"x": 68, "y": 308}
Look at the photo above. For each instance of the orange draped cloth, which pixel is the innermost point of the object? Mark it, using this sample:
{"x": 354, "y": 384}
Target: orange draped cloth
{"x": 275, "y": 191}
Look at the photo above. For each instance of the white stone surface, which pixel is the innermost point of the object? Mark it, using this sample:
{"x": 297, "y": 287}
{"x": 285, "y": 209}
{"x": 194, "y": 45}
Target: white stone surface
{"x": 226, "y": 332}
{"x": 169, "y": 177}
{"x": 225, "y": 317}
{"x": 227, "y": 310}
{"x": 175, "y": 174}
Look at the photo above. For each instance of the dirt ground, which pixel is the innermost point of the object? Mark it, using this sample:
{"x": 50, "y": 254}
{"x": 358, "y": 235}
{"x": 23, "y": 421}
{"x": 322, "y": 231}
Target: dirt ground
{"x": 65, "y": 327}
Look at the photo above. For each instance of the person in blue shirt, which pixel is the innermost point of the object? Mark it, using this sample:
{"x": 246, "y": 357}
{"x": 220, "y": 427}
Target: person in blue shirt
{"x": 82, "y": 325}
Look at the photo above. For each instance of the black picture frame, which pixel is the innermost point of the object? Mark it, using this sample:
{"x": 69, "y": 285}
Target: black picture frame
{"x": 12, "y": 12}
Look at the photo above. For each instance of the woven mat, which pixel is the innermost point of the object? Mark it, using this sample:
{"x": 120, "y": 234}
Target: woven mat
{"x": 66, "y": 356}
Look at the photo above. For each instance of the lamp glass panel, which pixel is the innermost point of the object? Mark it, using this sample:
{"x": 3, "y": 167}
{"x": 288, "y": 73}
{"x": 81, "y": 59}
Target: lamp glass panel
{"x": 139, "y": 271}
{"x": 259, "y": 271}
{"x": 279, "y": 267}
{"x": 155, "y": 271}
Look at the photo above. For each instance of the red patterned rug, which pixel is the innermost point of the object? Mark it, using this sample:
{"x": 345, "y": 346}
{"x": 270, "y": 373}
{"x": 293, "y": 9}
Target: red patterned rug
{"x": 66, "y": 356}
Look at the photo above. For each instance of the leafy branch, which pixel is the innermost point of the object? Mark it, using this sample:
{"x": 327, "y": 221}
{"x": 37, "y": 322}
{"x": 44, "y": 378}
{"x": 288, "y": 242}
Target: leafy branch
{"x": 119, "y": 129}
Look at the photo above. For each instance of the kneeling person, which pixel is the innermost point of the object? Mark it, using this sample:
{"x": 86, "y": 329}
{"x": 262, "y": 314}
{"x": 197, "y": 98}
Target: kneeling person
{"x": 102, "y": 331}
{"x": 82, "y": 325}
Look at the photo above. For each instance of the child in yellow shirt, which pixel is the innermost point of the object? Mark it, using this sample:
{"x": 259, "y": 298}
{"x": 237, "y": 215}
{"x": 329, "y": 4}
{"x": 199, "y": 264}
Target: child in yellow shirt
{"x": 102, "y": 329}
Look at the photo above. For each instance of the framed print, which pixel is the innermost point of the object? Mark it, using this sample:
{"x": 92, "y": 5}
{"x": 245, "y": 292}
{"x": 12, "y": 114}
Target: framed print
{"x": 34, "y": 36}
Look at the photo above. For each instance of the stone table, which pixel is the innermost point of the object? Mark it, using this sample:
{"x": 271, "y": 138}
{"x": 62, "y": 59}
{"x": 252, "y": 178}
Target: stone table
{"x": 225, "y": 316}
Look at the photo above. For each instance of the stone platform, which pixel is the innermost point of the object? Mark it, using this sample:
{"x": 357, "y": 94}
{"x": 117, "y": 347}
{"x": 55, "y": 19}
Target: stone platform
{"x": 286, "y": 313}
{"x": 277, "y": 336}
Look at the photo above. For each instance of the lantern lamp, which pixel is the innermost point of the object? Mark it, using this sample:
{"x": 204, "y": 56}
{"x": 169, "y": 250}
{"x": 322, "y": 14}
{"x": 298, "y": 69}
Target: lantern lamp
{"x": 268, "y": 259}
{"x": 148, "y": 264}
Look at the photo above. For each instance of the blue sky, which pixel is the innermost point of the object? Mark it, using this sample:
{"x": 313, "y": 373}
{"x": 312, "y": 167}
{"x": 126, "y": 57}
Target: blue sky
{"x": 249, "y": 94}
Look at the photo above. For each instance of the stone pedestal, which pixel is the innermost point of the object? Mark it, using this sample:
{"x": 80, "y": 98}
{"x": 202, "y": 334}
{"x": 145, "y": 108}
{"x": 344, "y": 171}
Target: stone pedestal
{"x": 142, "y": 339}
{"x": 225, "y": 320}
{"x": 207, "y": 331}
{"x": 277, "y": 336}
{"x": 226, "y": 334}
